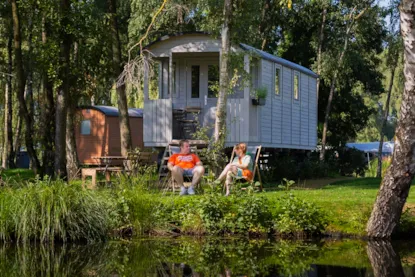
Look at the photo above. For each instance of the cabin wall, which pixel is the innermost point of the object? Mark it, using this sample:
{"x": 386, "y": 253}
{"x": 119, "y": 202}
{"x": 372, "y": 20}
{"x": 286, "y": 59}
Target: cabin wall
{"x": 88, "y": 146}
{"x": 185, "y": 44}
{"x": 285, "y": 122}
{"x": 104, "y": 139}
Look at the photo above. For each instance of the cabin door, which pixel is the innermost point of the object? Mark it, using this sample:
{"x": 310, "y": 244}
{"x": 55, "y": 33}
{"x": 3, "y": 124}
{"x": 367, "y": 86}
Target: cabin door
{"x": 202, "y": 88}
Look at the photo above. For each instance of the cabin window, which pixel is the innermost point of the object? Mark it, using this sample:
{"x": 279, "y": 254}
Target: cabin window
{"x": 195, "y": 81}
{"x": 296, "y": 85}
{"x": 277, "y": 80}
{"x": 85, "y": 127}
{"x": 213, "y": 81}
{"x": 155, "y": 82}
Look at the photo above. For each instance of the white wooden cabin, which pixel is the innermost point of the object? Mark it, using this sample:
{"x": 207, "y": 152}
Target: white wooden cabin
{"x": 187, "y": 62}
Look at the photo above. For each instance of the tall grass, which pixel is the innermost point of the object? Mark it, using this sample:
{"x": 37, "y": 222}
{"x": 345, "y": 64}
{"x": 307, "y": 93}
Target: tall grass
{"x": 53, "y": 210}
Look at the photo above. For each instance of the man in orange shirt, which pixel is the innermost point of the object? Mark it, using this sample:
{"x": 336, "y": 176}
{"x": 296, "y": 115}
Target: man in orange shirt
{"x": 186, "y": 164}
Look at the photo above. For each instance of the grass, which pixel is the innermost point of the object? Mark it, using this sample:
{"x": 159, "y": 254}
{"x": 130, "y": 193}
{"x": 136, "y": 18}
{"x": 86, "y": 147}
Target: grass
{"x": 46, "y": 211}
{"x": 348, "y": 203}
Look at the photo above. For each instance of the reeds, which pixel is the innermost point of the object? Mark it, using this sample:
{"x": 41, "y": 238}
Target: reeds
{"x": 53, "y": 210}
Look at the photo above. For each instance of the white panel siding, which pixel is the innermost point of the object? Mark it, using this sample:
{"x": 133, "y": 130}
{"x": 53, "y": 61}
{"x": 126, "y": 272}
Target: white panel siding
{"x": 185, "y": 44}
{"x": 267, "y": 70}
{"x": 312, "y": 118}
{"x": 287, "y": 98}
{"x": 304, "y": 102}
{"x": 157, "y": 122}
{"x": 295, "y": 114}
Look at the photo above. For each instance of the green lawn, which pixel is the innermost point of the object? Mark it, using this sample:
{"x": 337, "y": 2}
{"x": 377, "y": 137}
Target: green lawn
{"x": 347, "y": 203}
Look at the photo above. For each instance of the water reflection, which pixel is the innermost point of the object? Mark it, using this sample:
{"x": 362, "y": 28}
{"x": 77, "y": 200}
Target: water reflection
{"x": 212, "y": 257}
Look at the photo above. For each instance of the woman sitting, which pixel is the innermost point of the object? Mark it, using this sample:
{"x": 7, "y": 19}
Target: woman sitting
{"x": 240, "y": 167}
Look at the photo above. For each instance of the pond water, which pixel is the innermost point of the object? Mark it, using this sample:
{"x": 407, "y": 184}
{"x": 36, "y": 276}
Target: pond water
{"x": 211, "y": 257}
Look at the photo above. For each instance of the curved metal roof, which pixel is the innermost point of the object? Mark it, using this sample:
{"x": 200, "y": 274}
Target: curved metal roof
{"x": 264, "y": 55}
{"x": 284, "y": 62}
{"x": 113, "y": 111}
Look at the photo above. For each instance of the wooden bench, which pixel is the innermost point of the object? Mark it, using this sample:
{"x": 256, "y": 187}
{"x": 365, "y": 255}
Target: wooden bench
{"x": 92, "y": 171}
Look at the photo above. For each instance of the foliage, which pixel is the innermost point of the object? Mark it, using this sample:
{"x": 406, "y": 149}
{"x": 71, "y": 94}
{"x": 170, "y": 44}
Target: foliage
{"x": 295, "y": 215}
{"x": 261, "y": 92}
{"x": 373, "y": 167}
{"x": 52, "y": 210}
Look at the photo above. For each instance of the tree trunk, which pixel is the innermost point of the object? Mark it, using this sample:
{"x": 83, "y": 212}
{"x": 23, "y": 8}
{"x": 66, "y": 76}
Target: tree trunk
{"x": 320, "y": 46}
{"x": 264, "y": 23}
{"x": 331, "y": 94}
{"x": 8, "y": 153}
{"x": 383, "y": 125}
{"x": 24, "y": 113}
{"x": 29, "y": 85}
{"x": 220, "y": 122}
{"x": 396, "y": 184}
{"x": 125, "y": 133}
{"x": 72, "y": 161}
{"x": 47, "y": 116}
{"x": 384, "y": 260}
{"x": 62, "y": 97}
{"x": 17, "y": 139}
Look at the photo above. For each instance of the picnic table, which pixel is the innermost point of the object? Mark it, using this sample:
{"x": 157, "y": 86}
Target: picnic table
{"x": 127, "y": 165}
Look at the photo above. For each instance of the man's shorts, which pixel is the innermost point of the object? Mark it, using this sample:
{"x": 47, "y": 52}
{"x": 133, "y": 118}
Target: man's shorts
{"x": 188, "y": 172}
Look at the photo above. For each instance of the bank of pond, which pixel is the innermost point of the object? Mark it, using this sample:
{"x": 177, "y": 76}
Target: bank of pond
{"x": 210, "y": 256}
{"x": 46, "y": 211}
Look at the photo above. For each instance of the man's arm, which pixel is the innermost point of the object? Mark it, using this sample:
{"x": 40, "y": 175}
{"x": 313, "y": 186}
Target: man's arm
{"x": 170, "y": 166}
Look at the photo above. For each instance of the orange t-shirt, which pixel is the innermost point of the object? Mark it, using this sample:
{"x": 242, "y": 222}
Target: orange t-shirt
{"x": 185, "y": 161}
{"x": 246, "y": 172}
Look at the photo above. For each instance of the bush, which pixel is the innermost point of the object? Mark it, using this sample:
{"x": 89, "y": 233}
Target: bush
{"x": 295, "y": 216}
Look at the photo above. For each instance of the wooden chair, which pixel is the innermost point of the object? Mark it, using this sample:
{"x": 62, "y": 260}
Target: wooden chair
{"x": 254, "y": 152}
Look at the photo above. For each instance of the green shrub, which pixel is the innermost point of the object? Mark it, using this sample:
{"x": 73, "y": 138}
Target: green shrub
{"x": 53, "y": 210}
{"x": 295, "y": 216}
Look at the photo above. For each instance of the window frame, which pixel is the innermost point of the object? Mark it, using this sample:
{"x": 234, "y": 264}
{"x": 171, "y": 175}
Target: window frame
{"x": 279, "y": 68}
{"x": 82, "y": 125}
{"x": 296, "y": 73}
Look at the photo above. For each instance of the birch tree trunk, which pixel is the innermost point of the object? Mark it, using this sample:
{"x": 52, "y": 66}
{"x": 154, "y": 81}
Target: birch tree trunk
{"x": 47, "y": 115}
{"x": 384, "y": 260}
{"x": 125, "y": 133}
{"x": 8, "y": 153}
{"x": 61, "y": 99}
{"x": 395, "y": 185}
{"x": 24, "y": 113}
{"x": 383, "y": 125}
{"x": 220, "y": 122}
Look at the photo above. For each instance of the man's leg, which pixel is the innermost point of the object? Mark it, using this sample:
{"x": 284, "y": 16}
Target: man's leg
{"x": 177, "y": 175}
{"x": 198, "y": 172}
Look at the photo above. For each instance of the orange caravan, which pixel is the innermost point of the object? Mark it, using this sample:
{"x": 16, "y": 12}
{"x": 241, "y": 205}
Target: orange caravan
{"x": 97, "y": 132}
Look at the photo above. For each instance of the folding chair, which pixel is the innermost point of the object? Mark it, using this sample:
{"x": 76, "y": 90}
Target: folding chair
{"x": 186, "y": 178}
{"x": 254, "y": 152}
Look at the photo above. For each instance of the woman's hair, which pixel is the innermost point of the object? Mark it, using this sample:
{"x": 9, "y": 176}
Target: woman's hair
{"x": 241, "y": 146}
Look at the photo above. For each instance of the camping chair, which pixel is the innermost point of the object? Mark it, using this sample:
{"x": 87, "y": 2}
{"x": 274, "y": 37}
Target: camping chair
{"x": 254, "y": 152}
{"x": 186, "y": 178}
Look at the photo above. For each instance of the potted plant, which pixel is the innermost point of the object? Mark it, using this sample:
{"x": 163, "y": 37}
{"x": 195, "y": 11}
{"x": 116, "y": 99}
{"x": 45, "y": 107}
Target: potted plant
{"x": 259, "y": 97}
